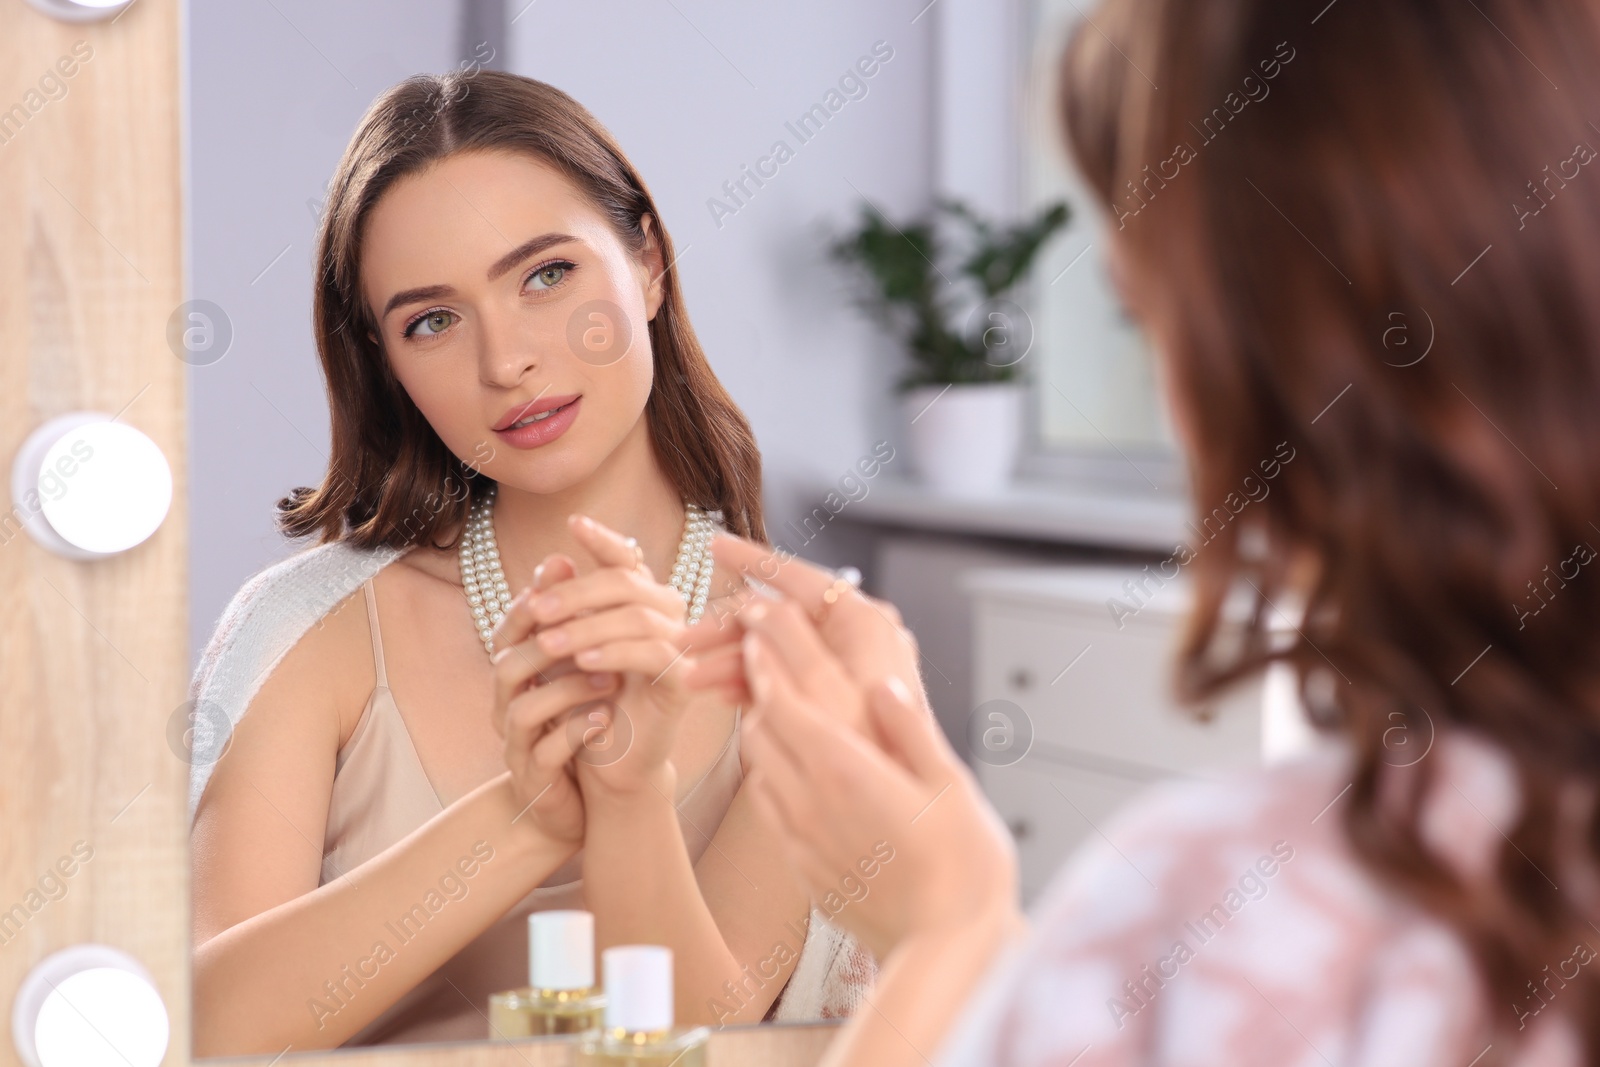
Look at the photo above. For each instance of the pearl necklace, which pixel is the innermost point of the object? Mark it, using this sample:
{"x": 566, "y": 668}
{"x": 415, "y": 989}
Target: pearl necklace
{"x": 489, "y": 595}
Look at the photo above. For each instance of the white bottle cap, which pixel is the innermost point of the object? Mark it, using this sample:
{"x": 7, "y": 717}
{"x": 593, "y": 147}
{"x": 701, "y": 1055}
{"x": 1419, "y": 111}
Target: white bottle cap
{"x": 638, "y": 988}
{"x": 560, "y": 950}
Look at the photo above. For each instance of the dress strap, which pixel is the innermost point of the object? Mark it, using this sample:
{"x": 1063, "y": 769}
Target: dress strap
{"x": 377, "y": 635}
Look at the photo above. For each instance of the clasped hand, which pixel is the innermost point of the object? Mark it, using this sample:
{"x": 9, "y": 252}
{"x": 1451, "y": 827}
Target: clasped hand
{"x": 589, "y": 682}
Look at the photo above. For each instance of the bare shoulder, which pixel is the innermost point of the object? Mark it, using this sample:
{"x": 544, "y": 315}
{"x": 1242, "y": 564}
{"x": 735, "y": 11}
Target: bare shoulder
{"x": 330, "y": 669}
{"x": 306, "y": 707}
{"x": 315, "y": 692}
{"x": 428, "y": 561}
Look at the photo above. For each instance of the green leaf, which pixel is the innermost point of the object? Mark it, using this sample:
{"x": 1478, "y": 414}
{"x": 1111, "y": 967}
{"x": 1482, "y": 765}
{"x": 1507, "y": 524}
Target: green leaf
{"x": 923, "y": 304}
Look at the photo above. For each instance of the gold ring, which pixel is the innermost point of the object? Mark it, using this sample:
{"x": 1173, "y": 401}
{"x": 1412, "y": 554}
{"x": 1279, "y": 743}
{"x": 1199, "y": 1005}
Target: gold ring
{"x": 831, "y": 595}
{"x": 638, "y": 552}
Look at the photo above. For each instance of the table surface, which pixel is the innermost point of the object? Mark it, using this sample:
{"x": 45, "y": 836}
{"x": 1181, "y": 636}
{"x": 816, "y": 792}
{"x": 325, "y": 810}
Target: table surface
{"x": 766, "y": 1045}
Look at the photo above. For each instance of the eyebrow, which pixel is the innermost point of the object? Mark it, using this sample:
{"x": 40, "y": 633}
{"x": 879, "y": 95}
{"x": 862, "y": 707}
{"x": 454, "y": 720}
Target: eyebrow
{"x": 531, "y": 247}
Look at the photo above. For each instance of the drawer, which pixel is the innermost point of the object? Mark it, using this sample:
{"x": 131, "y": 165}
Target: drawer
{"x": 1050, "y": 809}
{"x": 1088, "y": 686}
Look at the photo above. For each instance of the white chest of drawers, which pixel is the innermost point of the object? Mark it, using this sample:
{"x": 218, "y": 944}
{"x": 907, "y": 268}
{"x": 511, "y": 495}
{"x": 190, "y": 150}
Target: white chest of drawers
{"x": 1092, "y": 687}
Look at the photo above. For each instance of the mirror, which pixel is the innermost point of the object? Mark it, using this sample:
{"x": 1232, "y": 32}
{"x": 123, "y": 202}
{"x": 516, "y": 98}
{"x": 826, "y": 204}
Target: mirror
{"x": 364, "y": 864}
{"x": 443, "y": 353}
{"x": 1103, "y": 390}
{"x": 89, "y": 1006}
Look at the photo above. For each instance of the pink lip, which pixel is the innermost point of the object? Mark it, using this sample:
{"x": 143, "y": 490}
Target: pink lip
{"x": 537, "y": 405}
{"x": 544, "y": 431}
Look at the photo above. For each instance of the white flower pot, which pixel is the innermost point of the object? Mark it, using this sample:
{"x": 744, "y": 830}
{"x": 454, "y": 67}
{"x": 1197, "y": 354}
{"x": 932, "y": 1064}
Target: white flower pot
{"x": 965, "y": 438}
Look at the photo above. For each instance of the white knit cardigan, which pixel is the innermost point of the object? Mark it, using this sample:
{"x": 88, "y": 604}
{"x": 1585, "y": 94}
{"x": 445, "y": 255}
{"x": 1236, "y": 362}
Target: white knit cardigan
{"x": 275, "y": 608}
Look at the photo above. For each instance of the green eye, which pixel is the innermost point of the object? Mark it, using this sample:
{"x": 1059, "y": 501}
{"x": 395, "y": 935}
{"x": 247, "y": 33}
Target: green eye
{"x": 548, "y": 277}
{"x": 434, "y": 322}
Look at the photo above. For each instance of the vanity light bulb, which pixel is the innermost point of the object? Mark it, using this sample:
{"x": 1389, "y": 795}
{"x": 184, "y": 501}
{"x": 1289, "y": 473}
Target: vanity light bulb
{"x": 89, "y": 1006}
{"x": 80, "y": 10}
{"x": 87, "y": 487}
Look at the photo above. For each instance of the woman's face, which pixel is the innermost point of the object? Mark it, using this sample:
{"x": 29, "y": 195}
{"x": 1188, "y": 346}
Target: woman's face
{"x": 503, "y": 295}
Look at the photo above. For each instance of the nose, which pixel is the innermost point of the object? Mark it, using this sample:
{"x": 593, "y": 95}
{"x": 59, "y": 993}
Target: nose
{"x": 506, "y": 354}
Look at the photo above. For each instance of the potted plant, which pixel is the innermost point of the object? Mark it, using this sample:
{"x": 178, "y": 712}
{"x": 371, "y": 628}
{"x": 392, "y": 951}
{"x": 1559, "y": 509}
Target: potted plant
{"x": 943, "y": 283}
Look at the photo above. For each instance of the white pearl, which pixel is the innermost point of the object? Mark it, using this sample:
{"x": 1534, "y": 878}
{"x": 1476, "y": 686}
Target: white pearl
{"x": 487, "y": 590}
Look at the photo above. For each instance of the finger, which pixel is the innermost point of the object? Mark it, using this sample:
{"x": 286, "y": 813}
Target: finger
{"x": 776, "y": 697}
{"x": 794, "y": 577}
{"x": 609, "y": 548}
{"x": 604, "y": 588}
{"x": 600, "y": 732}
{"x": 720, "y": 625}
{"x": 824, "y": 750}
{"x": 794, "y": 636}
{"x": 555, "y": 569}
{"x": 552, "y": 751}
{"x": 627, "y": 622}
{"x": 775, "y": 567}
{"x": 515, "y": 668}
{"x": 721, "y": 669}
{"x": 519, "y": 620}
{"x": 909, "y": 732}
{"x": 529, "y": 712}
{"x": 659, "y": 661}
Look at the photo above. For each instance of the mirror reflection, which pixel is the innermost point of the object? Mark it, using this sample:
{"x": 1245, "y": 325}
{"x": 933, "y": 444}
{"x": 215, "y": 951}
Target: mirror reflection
{"x": 474, "y": 690}
{"x": 467, "y": 726}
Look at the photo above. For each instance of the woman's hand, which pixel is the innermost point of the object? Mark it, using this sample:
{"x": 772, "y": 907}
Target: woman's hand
{"x": 893, "y": 841}
{"x": 842, "y": 640}
{"x": 533, "y": 699}
{"x": 618, "y": 619}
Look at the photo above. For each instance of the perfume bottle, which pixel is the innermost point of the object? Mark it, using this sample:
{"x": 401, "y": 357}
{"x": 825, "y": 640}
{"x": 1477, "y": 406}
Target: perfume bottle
{"x": 560, "y": 997}
{"x": 638, "y": 1024}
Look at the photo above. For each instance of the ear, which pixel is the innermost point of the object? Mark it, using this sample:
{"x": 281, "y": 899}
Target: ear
{"x": 650, "y": 260}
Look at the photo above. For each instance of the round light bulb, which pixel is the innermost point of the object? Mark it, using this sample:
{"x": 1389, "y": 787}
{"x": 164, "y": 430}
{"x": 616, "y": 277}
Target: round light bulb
{"x": 87, "y": 487}
{"x": 89, "y": 1006}
{"x": 80, "y": 10}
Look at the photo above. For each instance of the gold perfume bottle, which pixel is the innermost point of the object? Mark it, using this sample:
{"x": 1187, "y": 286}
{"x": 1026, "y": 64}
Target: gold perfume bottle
{"x": 560, "y": 997}
{"x": 638, "y": 1016}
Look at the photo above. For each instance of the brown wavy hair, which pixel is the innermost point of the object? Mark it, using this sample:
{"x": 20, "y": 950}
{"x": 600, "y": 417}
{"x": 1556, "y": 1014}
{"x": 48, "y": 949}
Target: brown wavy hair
{"x": 1368, "y": 229}
{"x": 390, "y": 479}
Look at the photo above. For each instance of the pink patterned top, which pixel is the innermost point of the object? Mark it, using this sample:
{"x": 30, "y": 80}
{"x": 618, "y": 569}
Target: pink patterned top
{"x": 1227, "y": 923}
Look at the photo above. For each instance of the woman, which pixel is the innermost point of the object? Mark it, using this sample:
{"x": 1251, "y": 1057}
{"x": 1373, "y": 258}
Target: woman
{"x": 1328, "y": 259}
{"x": 514, "y": 384}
